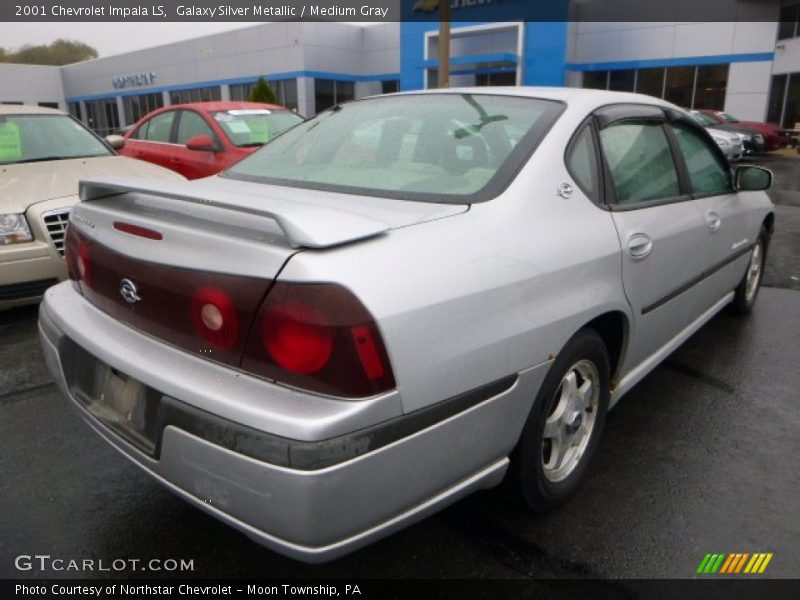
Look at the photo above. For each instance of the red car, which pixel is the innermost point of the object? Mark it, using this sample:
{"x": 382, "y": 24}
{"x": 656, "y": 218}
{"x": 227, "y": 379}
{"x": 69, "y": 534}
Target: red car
{"x": 204, "y": 138}
{"x": 774, "y": 137}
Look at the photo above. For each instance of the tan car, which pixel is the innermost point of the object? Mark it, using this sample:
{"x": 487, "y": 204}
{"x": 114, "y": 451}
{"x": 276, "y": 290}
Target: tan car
{"x": 44, "y": 153}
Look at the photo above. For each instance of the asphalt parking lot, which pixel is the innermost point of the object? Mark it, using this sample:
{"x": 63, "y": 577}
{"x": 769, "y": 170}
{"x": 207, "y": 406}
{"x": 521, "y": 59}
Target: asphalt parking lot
{"x": 700, "y": 457}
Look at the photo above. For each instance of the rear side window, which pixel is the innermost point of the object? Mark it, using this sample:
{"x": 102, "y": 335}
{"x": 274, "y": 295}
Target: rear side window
{"x": 582, "y": 163}
{"x": 640, "y": 161}
{"x": 159, "y": 128}
{"x": 708, "y": 173}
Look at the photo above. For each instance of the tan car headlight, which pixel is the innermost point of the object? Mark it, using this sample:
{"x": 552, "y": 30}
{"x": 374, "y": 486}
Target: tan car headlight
{"x": 14, "y": 229}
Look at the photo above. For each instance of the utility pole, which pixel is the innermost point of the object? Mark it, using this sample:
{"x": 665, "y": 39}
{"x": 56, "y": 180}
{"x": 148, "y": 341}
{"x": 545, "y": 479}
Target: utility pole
{"x": 444, "y": 44}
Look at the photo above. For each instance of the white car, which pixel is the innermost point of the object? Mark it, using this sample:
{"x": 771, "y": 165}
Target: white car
{"x": 43, "y": 155}
{"x": 731, "y": 144}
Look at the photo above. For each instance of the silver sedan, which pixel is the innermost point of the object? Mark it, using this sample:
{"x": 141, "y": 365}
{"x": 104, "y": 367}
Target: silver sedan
{"x": 399, "y": 302}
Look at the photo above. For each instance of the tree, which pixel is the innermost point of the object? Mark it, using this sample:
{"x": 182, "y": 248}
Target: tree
{"x": 263, "y": 92}
{"x": 60, "y": 52}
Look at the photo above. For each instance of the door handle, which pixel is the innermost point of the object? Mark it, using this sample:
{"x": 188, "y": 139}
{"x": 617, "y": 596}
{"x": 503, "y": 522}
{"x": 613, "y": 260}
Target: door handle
{"x": 713, "y": 221}
{"x": 639, "y": 245}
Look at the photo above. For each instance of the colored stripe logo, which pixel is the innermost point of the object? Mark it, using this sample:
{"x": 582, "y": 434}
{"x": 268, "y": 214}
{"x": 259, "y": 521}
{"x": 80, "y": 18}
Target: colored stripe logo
{"x": 737, "y": 562}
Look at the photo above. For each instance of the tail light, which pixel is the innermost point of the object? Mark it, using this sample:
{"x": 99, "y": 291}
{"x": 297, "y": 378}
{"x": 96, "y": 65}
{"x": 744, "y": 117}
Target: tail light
{"x": 214, "y": 317}
{"x": 318, "y": 337}
{"x": 78, "y": 257}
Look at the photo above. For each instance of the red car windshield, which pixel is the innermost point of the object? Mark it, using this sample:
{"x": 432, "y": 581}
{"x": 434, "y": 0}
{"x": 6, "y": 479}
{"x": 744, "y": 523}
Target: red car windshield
{"x": 728, "y": 117}
{"x": 255, "y": 126}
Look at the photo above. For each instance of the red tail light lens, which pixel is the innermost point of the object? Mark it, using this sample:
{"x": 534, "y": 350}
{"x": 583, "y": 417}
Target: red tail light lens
{"x": 318, "y": 337}
{"x": 78, "y": 258}
{"x": 214, "y": 317}
{"x": 297, "y": 338}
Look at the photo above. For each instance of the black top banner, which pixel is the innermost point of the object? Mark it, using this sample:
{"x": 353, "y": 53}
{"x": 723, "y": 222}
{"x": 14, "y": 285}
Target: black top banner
{"x": 249, "y": 11}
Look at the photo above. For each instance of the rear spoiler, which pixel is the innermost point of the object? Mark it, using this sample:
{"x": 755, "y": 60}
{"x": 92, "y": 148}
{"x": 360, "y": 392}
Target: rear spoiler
{"x": 303, "y": 225}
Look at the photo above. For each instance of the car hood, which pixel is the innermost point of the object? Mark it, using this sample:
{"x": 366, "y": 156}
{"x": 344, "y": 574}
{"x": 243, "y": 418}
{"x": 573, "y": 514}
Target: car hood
{"x": 26, "y": 184}
{"x": 766, "y": 128}
{"x": 725, "y": 134}
{"x": 736, "y": 129}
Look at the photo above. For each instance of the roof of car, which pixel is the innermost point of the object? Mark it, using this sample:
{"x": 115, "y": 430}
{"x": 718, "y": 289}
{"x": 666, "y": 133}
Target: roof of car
{"x": 215, "y": 106}
{"x": 563, "y": 94}
{"x": 27, "y": 109}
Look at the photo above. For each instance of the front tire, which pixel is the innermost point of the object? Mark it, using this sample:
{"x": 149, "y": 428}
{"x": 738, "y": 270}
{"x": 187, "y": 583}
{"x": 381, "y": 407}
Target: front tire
{"x": 565, "y": 423}
{"x": 747, "y": 290}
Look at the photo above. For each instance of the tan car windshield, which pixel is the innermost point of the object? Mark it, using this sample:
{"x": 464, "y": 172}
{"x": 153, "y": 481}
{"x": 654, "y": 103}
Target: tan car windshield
{"x": 33, "y": 138}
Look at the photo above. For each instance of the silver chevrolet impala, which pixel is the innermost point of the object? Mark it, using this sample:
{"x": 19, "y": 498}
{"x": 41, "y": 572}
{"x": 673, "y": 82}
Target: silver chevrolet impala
{"x": 399, "y": 302}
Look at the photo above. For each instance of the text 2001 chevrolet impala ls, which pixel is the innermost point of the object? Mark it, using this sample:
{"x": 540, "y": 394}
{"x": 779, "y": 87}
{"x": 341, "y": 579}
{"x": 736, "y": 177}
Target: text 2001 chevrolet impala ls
{"x": 398, "y": 302}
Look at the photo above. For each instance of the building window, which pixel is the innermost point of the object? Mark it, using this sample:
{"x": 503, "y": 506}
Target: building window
{"x": 711, "y": 83}
{"x": 496, "y": 78}
{"x": 788, "y": 27}
{"x": 680, "y": 86}
{"x": 49, "y": 104}
{"x": 11, "y": 102}
{"x": 595, "y": 80}
{"x": 390, "y": 87}
{"x": 329, "y": 92}
{"x": 784, "y": 100}
{"x": 622, "y": 81}
{"x": 777, "y": 95}
{"x": 138, "y": 106}
{"x": 204, "y": 94}
{"x": 651, "y": 82}
{"x": 285, "y": 92}
{"x": 689, "y": 87}
{"x": 240, "y": 92}
{"x": 102, "y": 116}
{"x": 74, "y": 109}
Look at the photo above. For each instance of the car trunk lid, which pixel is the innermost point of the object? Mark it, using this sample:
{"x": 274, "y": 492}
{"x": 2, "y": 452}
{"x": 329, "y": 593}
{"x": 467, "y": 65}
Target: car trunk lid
{"x": 154, "y": 254}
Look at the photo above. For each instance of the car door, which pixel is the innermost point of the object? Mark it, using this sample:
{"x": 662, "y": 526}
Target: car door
{"x": 660, "y": 231}
{"x": 731, "y": 224}
{"x": 153, "y": 140}
{"x": 193, "y": 164}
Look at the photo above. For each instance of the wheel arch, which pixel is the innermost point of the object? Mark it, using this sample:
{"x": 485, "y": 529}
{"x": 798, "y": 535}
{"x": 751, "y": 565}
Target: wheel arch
{"x": 613, "y": 327}
{"x": 769, "y": 223}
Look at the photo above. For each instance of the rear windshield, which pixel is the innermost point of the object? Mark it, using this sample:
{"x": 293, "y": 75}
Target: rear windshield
{"x": 457, "y": 148}
{"x": 36, "y": 138}
{"x": 255, "y": 127}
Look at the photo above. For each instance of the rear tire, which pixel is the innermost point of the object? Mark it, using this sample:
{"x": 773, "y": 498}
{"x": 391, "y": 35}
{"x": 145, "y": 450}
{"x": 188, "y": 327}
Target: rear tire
{"x": 565, "y": 423}
{"x": 747, "y": 290}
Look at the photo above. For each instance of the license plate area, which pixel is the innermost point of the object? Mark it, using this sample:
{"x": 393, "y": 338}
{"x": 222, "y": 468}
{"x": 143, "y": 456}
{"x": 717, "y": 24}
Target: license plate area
{"x": 122, "y": 403}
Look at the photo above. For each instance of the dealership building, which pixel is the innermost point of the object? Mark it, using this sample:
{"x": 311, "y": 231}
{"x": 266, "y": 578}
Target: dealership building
{"x": 748, "y": 66}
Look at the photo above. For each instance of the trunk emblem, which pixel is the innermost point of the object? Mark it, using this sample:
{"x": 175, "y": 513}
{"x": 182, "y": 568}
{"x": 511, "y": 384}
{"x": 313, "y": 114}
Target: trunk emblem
{"x": 128, "y": 290}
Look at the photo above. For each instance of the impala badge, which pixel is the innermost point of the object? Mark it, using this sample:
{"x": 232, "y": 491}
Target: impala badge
{"x": 128, "y": 290}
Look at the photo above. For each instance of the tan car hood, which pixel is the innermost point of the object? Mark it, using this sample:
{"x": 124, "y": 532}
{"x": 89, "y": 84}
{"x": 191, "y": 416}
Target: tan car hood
{"x": 29, "y": 183}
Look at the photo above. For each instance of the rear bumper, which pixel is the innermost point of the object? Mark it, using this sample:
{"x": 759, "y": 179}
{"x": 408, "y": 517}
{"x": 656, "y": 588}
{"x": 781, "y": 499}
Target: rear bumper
{"x": 313, "y": 511}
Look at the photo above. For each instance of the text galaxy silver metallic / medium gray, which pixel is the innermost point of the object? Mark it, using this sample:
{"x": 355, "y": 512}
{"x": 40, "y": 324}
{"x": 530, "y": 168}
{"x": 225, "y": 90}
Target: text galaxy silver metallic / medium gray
{"x": 401, "y": 301}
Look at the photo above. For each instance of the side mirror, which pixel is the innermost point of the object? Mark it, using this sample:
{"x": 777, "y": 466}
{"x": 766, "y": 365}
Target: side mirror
{"x": 117, "y": 142}
{"x": 201, "y": 143}
{"x": 750, "y": 178}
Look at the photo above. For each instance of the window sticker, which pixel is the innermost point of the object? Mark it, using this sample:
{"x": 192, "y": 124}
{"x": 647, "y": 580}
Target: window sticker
{"x": 10, "y": 142}
{"x": 259, "y": 131}
{"x": 236, "y": 126}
